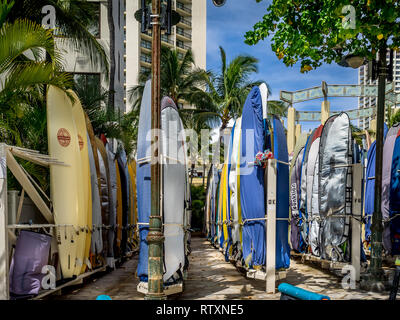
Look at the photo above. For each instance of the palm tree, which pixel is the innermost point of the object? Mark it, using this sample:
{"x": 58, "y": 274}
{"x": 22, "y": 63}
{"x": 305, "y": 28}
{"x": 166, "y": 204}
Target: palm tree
{"x": 226, "y": 91}
{"x": 278, "y": 108}
{"x": 394, "y": 118}
{"x": 24, "y": 74}
{"x": 23, "y": 78}
{"x": 73, "y": 19}
{"x": 180, "y": 80}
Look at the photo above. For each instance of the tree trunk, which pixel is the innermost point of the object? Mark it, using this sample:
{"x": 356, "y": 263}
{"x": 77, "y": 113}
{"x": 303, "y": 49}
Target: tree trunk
{"x": 111, "y": 26}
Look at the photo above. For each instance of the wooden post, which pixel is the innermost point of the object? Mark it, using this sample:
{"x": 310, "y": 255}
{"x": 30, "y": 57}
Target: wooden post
{"x": 291, "y": 123}
{"x": 372, "y": 126}
{"x": 298, "y": 131}
{"x": 271, "y": 227}
{"x": 355, "y": 222}
{"x": 325, "y": 111}
{"x": 4, "y": 286}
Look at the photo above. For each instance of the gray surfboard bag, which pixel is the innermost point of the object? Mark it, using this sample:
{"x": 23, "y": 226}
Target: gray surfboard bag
{"x": 30, "y": 256}
{"x": 294, "y": 202}
{"x": 335, "y": 187}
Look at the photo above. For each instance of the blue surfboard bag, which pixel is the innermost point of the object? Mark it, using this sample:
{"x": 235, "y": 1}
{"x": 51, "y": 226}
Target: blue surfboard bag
{"x": 252, "y": 180}
{"x": 282, "y": 196}
{"x": 394, "y": 204}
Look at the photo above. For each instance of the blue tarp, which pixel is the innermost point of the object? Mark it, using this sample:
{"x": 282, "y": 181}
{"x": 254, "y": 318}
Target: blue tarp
{"x": 394, "y": 204}
{"x": 370, "y": 186}
{"x": 282, "y": 196}
{"x": 252, "y": 180}
{"x": 370, "y": 189}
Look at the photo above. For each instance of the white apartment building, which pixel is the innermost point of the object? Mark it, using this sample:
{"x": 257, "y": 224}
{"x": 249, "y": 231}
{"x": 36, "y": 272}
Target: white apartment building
{"x": 80, "y": 65}
{"x": 133, "y": 48}
{"x": 367, "y": 102}
{"x": 189, "y": 33}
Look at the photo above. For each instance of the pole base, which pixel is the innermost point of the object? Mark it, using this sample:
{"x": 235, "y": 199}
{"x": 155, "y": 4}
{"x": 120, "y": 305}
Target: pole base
{"x": 159, "y": 297}
{"x": 370, "y": 282}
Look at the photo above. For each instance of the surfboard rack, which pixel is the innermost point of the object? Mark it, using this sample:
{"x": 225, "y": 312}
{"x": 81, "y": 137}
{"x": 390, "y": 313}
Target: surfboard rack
{"x": 142, "y": 287}
{"x": 356, "y": 221}
{"x": 7, "y": 235}
{"x": 78, "y": 280}
{"x": 271, "y": 275}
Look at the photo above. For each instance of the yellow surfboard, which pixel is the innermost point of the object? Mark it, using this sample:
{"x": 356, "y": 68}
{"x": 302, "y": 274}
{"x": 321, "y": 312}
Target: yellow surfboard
{"x": 132, "y": 174}
{"x": 92, "y": 138}
{"x": 85, "y": 215}
{"x": 119, "y": 208}
{"x": 224, "y": 185}
{"x": 65, "y": 187}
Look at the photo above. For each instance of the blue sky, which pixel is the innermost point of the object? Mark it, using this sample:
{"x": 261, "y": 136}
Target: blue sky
{"x": 227, "y": 25}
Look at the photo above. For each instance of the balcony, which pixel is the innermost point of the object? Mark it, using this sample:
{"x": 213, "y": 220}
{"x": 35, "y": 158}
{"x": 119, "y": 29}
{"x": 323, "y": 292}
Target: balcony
{"x": 181, "y": 45}
{"x": 145, "y": 44}
{"x": 167, "y": 40}
{"x": 186, "y": 22}
{"x": 181, "y": 6}
{"x": 183, "y": 33}
{"x": 145, "y": 58}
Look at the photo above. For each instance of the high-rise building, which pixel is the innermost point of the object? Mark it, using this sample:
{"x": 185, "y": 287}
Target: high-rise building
{"x": 85, "y": 71}
{"x": 132, "y": 48}
{"x": 368, "y": 102}
{"x": 189, "y": 33}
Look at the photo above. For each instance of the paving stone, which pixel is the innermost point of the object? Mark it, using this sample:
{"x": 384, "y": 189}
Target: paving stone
{"x": 211, "y": 277}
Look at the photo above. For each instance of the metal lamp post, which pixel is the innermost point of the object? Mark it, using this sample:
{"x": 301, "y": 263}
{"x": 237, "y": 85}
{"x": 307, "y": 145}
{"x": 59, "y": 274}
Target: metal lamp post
{"x": 383, "y": 73}
{"x": 377, "y": 227}
{"x": 155, "y": 237}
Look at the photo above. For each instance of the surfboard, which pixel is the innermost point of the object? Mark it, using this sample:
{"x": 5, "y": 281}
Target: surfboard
{"x": 132, "y": 173}
{"x": 118, "y": 238}
{"x": 174, "y": 189}
{"x": 235, "y": 196}
{"x": 112, "y": 197}
{"x": 282, "y": 250}
{"x": 335, "y": 185}
{"x": 296, "y": 241}
{"x": 122, "y": 195}
{"x": 108, "y": 224}
{"x": 369, "y": 197}
{"x": 96, "y": 240}
{"x": 312, "y": 193}
{"x": 85, "y": 216}
{"x": 303, "y": 210}
{"x": 143, "y": 180}
{"x": 394, "y": 197}
{"x": 252, "y": 181}
{"x": 224, "y": 214}
{"x": 124, "y": 174}
{"x": 64, "y": 182}
{"x": 388, "y": 149}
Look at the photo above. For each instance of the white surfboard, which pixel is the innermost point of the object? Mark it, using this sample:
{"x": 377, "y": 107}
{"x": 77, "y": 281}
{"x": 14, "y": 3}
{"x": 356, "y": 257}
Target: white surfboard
{"x": 174, "y": 185}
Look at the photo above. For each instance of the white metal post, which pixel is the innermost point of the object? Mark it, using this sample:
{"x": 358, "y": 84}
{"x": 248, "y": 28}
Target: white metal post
{"x": 271, "y": 226}
{"x": 4, "y": 287}
{"x": 355, "y": 221}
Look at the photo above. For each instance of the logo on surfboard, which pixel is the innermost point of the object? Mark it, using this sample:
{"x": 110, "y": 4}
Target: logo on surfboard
{"x": 80, "y": 142}
{"x": 63, "y": 137}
